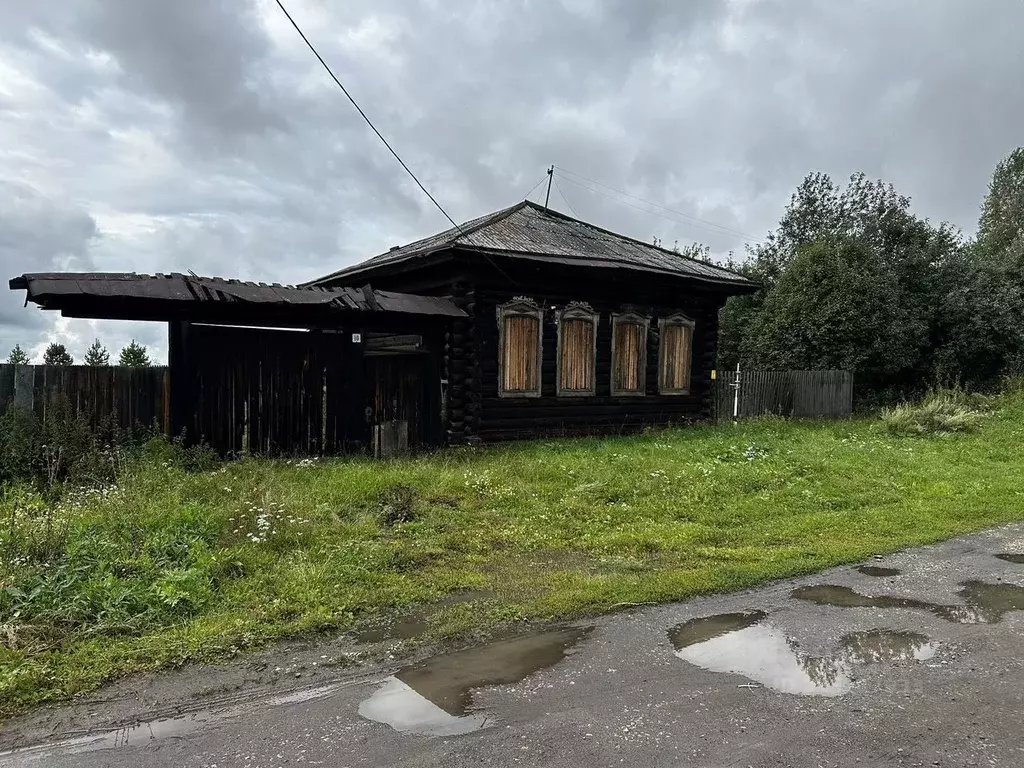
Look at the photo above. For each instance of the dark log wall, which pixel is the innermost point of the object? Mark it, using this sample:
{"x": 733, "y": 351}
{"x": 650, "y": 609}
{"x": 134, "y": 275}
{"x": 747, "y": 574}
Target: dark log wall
{"x": 479, "y": 283}
{"x": 503, "y": 418}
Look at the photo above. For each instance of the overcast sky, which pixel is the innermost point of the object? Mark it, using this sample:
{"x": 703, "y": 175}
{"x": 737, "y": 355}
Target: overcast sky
{"x": 160, "y": 135}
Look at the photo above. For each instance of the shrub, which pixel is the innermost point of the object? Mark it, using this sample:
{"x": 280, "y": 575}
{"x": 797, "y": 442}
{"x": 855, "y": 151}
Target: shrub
{"x": 939, "y": 413}
{"x": 398, "y": 505}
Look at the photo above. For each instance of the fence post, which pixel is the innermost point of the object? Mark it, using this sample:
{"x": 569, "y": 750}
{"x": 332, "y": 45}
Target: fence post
{"x": 24, "y": 386}
{"x": 179, "y": 377}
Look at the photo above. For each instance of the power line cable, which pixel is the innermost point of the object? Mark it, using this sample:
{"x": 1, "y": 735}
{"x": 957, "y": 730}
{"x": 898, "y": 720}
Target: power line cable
{"x": 656, "y": 213}
{"x": 565, "y": 199}
{"x": 542, "y": 180}
{"x": 363, "y": 115}
{"x": 725, "y": 229}
{"x": 381, "y": 136}
{"x": 721, "y": 227}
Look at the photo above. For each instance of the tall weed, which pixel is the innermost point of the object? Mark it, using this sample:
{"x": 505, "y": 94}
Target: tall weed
{"x": 941, "y": 412}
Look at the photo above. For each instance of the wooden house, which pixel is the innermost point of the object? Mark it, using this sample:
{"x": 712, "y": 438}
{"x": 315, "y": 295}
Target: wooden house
{"x": 521, "y": 323}
{"x": 568, "y": 328}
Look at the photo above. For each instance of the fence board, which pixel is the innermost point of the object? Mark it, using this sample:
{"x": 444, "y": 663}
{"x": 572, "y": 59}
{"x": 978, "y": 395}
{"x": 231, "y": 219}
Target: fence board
{"x": 103, "y": 395}
{"x": 795, "y": 394}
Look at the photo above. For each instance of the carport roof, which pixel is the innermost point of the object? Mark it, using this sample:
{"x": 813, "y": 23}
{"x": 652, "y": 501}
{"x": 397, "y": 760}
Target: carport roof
{"x": 132, "y": 296}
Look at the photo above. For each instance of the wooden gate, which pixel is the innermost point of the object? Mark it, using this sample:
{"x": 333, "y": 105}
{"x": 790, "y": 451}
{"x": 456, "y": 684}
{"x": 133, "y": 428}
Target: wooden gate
{"x": 275, "y": 392}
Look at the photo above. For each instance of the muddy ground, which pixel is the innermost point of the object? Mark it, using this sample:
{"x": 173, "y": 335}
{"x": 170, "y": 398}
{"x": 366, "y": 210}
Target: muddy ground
{"x": 914, "y": 660}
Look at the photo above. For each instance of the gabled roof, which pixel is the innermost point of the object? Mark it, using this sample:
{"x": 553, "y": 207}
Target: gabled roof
{"x": 529, "y": 231}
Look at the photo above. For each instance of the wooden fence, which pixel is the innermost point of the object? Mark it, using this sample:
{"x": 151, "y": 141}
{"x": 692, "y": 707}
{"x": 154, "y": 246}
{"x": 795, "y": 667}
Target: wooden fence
{"x": 112, "y": 395}
{"x": 796, "y": 394}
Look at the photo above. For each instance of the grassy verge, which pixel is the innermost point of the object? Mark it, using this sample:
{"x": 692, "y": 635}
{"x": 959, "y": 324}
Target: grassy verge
{"x": 172, "y": 565}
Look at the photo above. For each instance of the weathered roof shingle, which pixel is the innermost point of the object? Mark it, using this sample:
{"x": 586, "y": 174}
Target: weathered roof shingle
{"x": 529, "y": 231}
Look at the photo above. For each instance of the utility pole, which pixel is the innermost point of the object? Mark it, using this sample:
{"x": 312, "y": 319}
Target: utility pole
{"x": 551, "y": 175}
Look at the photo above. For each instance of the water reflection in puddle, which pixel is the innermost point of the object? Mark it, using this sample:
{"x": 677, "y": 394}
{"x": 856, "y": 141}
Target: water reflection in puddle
{"x": 435, "y": 697}
{"x": 878, "y": 645}
{"x": 1012, "y": 557}
{"x": 985, "y": 603}
{"x": 878, "y": 571}
{"x": 744, "y": 644}
{"x": 740, "y": 644}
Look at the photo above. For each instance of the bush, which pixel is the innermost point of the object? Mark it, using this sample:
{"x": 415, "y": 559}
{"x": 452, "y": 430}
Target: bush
{"x": 398, "y": 505}
{"x": 65, "y": 449}
{"x": 942, "y": 412}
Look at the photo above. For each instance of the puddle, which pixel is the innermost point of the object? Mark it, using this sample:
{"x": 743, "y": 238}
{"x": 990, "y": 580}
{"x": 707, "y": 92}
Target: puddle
{"x": 414, "y": 623}
{"x": 847, "y": 597}
{"x": 744, "y": 644}
{"x": 436, "y": 696}
{"x": 991, "y": 601}
{"x": 985, "y": 603}
{"x": 1012, "y": 557}
{"x": 878, "y": 571}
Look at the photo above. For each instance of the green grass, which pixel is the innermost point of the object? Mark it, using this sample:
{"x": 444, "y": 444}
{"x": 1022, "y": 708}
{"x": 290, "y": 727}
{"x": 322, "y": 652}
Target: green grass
{"x": 172, "y": 566}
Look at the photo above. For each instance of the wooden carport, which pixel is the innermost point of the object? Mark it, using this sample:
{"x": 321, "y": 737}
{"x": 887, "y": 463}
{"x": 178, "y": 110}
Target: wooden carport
{"x": 277, "y": 369}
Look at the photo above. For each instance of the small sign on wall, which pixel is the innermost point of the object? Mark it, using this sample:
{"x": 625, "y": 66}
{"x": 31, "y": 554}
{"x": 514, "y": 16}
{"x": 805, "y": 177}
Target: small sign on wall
{"x": 357, "y": 338}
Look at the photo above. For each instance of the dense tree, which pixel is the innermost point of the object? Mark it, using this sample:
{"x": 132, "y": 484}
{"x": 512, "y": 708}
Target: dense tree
{"x": 858, "y": 319}
{"x": 134, "y": 356}
{"x": 18, "y": 356}
{"x": 57, "y": 354}
{"x": 97, "y": 355}
{"x": 982, "y": 333}
{"x": 1002, "y": 213}
{"x": 833, "y": 250}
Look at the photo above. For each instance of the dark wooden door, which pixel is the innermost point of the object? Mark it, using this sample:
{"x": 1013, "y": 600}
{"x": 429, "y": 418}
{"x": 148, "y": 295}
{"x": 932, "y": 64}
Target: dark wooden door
{"x": 396, "y": 384}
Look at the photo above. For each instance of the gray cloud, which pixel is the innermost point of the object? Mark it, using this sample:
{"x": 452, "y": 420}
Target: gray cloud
{"x": 203, "y": 135}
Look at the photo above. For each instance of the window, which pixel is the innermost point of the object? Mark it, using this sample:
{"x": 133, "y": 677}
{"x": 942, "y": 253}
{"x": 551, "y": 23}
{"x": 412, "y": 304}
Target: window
{"x": 629, "y": 354}
{"x": 674, "y": 355}
{"x": 519, "y": 336}
{"x": 577, "y": 350}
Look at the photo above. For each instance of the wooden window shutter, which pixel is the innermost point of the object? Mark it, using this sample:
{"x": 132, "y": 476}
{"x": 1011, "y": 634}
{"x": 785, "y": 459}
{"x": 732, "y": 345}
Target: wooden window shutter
{"x": 675, "y": 356}
{"x": 520, "y": 355}
{"x": 629, "y": 355}
{"x": 577, "y": 334}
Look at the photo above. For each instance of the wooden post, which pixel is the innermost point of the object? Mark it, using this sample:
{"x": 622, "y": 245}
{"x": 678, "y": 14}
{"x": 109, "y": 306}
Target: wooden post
{"x": 180, "y": 379}
{"x": 358, "y": 396}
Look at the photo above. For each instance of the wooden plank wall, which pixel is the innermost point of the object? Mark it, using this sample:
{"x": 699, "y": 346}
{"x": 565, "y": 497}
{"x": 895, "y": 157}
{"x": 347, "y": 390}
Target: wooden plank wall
{"x": 795, "y": 394}
{"x": 107, "y": 395}
{"x": 275, "y": 392}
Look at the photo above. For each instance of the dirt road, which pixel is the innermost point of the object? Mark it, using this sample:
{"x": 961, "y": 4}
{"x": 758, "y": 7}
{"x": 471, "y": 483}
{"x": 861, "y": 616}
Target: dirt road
{"x": 914, "y": 660}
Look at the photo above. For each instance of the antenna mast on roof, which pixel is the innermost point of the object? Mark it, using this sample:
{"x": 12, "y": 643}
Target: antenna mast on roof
{"x": 551, "y": 175}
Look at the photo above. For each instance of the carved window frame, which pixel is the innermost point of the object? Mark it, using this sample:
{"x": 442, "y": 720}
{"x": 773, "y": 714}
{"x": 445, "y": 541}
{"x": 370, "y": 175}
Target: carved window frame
{"x": 578, "y": 310}
{"x": 631, "y": 318}
{"x": 682, "y": 321}
{"x": 520, "y": 306}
